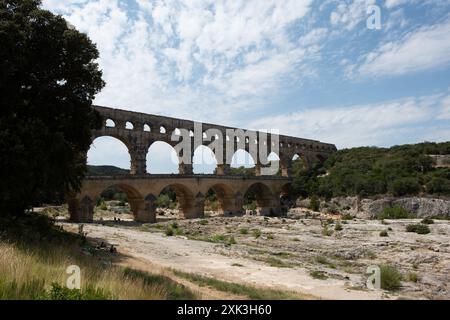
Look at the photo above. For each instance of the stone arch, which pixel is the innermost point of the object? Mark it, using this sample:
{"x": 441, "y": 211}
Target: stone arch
{"x": 109, "y": 123}
{"x": 267, "y": 204}
{"x": 136, "y": 201}
{"x": 112, "y": 148}
{"x": 300, "y": 156}
{"x": 129, "y": 125}
{"x": 243, "y": 158}
{"x": 147, "y": 127}
{"x": 191, "y": 205}
{"x": 226, "y": 198}
{"x": 162, "y": 158}
{"x": 204, "y": 160}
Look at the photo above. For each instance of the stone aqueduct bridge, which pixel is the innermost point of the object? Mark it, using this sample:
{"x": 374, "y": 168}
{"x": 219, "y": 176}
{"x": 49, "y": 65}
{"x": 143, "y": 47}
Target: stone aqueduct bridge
{"x": 139, "y": 131}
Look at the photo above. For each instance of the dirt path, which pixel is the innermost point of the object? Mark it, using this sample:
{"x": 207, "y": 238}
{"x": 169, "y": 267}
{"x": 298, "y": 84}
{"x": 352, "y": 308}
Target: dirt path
{"x": 153, "y": 251}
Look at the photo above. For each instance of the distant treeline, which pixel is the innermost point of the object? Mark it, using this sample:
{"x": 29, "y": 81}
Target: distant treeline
{"x": 106, "y": 171}
{"x": 397, "y": 171}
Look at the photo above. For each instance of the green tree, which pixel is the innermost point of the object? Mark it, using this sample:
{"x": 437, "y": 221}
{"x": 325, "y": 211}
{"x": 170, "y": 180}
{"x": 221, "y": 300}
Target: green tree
{"x": 48, "y": 79}
{"x": 404, "y": 186}
{"x": 439, "y": 186}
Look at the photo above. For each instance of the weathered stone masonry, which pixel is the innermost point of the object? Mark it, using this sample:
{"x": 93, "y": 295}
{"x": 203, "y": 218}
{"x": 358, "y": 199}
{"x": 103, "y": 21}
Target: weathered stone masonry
{"x": 139, "y": 131}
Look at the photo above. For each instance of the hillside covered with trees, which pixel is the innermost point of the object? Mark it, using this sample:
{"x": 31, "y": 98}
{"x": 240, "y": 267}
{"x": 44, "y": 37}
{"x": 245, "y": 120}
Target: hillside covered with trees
{"x": 368, "y": 171}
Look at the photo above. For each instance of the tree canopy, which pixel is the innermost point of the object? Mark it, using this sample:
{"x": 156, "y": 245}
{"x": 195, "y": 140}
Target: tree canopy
{"x": 48, "y": 79}
{"x": 398, "y": 171}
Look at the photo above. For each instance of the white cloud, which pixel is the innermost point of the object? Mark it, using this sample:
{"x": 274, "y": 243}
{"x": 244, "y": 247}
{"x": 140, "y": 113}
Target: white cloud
{"x": 349, "y": 15}
{"x": 359, "y": 125}
{"x": 395, "y": 3}
{"x": 185, "y": 57}
{"x": 424, "y": 49}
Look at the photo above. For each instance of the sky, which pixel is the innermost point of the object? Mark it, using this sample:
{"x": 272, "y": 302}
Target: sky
{"x": 312, "y": 69}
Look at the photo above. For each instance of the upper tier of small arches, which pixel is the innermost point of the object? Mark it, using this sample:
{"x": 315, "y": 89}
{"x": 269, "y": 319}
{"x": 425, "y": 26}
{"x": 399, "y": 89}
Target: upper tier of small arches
{"x": 152, "y": 124}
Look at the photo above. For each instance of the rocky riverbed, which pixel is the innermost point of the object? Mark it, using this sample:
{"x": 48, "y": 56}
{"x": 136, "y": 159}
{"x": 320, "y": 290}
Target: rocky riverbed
{"x": 307, "y": 252}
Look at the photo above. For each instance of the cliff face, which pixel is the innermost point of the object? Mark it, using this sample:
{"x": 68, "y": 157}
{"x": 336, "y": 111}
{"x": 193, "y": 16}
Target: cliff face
{"x": 441, "y": 161}
{"x": 369, "y": 208}
{"x": 420, "y": 207}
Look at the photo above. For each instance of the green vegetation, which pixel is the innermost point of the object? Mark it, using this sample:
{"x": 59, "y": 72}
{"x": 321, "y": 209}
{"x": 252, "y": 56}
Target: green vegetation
{"x": 390, "y": 277}
{"x": 338, "y": 227}
{"x": 418, "y": 228}
{"x": 318, "y": 275}
{"x": 254, "y": 293}
{"x": 395, "y": 212}
{"x": 257, "y": 233}
{"x": 106, "y": 171}
{"x": 323, "y": 260}
{"x": 274, "y": 262}
{"x": 49, "y": 77}
{"x": 384, "y": 233}
{"x": 347, "y": 217}
{"x": 113, "y": 193}
{"x": 400, "y": 170}
{"x": 243, "y": 171}
{"x": 327, "y": 232}
{"x": 427, "y": 221}
{"x": 167, "y": 199}
{"x": 243, "y": 231}
{"x": 314, "y": 203}
{"x": 35, "y": 254}
{"x": 174, "y": 290}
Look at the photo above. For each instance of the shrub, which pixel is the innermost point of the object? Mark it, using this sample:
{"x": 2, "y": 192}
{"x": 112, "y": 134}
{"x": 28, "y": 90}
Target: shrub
{"x": 405, "y": 186}
{"x": 169, "y": 232}
{"x": 58, "y": 292}
{"x": 338, "y": 227}
{"x": 347, "y": 216}
{"x": 318, "y": 275}
{"x": 243, "y": 231}
{"x": 384, "y": 233}
{"x": 257, "y": 233}
{"x": 203, "y": 222}
{"x": 418, "y": 228}
{"x": 252, "y": 206}
{"x": 314, "y": 203}
{"x": 103, "y": 206}
{"x": 427, "y": 221}
{"x": 390, "y": 277}
{"x": 396, "y": 212}
{"x": 332, "y": 209}
{"x": 327, "y": 232}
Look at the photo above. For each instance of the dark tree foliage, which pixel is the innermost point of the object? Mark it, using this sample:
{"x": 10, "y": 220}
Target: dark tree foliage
{"x": 48, "y": 79}
{"x": 400, "y": 170}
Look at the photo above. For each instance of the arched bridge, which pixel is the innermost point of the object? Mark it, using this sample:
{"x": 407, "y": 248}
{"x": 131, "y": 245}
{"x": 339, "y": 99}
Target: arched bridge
{"x": 139, "y": 131}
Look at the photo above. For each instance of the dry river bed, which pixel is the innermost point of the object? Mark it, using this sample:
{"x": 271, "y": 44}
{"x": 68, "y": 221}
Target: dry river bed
{"x": 292, "y": 253}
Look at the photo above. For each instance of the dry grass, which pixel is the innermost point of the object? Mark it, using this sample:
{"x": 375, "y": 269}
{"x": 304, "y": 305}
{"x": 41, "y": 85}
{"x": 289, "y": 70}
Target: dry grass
{"x": 34, "y": 256}
{"x": 30, "y": 273}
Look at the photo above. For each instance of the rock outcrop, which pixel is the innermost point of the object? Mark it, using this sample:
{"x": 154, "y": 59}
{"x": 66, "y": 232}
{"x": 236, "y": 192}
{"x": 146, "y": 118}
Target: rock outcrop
{"x": 369, "y": 208}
